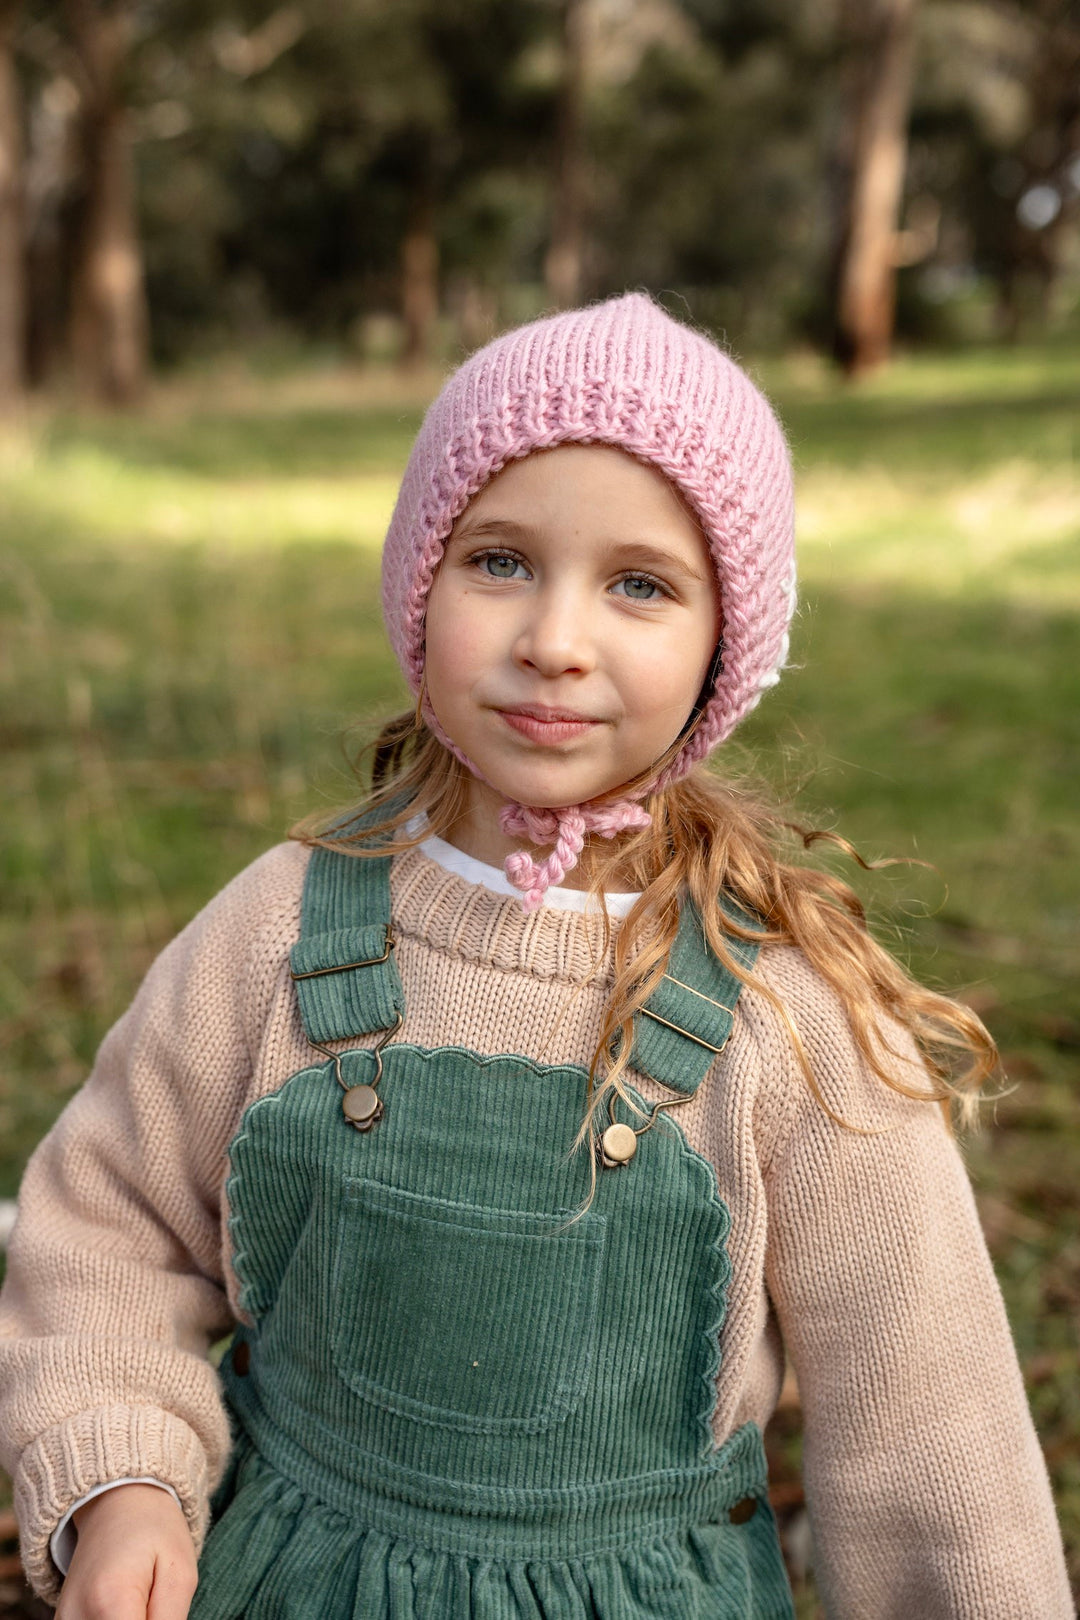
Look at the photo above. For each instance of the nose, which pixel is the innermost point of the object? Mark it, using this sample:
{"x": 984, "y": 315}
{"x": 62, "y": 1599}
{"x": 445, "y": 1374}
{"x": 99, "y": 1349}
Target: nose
{"x": 556, "y": 635}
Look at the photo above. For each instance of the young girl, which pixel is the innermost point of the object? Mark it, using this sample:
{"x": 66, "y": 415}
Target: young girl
{"x": 524, "y": 1122}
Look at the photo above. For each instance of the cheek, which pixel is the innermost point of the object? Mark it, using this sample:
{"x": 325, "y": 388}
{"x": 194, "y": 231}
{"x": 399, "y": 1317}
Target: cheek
{"x": 443, "y": 662}
{"x": 456, "y": 633}
{"x": 692, "y": 653}
{"x": 665, "y": 677}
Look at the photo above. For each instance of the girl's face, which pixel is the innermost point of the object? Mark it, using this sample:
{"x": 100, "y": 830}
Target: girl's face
{"x": 570, "y": 624}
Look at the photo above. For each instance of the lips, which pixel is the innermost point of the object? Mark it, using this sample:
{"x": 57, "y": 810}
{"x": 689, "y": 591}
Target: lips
{"x": 541, "y": 711}
{"x": 547, "y": 725}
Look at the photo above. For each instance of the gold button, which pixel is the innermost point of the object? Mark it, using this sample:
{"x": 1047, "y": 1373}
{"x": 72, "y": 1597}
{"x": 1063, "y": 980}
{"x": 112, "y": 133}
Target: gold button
{"x": 361, "y": 1106}
{"x": 618, "y": 1144}
{"x": 241, "y": 1358}
{"x": 743, "y": 1511}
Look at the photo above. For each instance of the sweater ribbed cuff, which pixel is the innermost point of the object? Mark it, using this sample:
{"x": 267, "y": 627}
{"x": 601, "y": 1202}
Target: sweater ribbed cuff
{"x": 109, "y": 1443}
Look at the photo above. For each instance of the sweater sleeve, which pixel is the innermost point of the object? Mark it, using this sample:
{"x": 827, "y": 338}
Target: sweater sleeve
{"x": 926, "y": 1488}
{"x": 115, "y": 1285}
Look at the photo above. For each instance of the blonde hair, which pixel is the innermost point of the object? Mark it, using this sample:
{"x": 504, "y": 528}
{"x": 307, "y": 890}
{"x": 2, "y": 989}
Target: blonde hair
{"x": 707, "y": 837}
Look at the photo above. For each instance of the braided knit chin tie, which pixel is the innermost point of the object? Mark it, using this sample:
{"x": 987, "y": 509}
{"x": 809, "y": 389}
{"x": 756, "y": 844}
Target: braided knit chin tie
{"x": 566, "y": 828}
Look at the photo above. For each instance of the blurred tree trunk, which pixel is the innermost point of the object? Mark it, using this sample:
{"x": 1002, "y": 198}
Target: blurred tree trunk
{"x": 563, "y": 261}
{"x": 476, "y": 310}
{"x": 866, "y": 278}
{"x": 12, "y": 263}
{"x": 1036, "y": 253}
{"x": 108, "y": 321}
{"x": 52, "y": 170}
{"x": 420, "y": 267}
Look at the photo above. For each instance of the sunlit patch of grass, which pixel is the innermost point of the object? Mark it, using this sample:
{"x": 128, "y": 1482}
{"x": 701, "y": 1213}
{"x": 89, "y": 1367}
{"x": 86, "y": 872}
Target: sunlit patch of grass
{"x": 87, "y": 491}
{"x": 1010, "y": 533}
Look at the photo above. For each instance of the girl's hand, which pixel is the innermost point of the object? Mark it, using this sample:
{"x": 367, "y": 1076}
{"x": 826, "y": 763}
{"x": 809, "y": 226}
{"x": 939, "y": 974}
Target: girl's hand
{"x": 134, "y": 1559}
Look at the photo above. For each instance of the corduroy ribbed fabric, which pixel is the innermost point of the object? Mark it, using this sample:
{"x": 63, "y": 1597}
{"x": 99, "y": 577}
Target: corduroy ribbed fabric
{"x": 455, "y": 1379}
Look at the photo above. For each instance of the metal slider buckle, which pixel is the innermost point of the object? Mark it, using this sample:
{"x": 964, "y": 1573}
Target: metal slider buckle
{"x": 697, "y": 1039}
{"x": 700, "y": 994}
{"x": 708, "y": 1045}
{"x": 347, "y": 967}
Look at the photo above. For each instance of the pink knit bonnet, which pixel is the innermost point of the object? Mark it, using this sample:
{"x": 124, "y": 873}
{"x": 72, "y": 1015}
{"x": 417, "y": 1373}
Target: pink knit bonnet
{"x": 621, "y": 373}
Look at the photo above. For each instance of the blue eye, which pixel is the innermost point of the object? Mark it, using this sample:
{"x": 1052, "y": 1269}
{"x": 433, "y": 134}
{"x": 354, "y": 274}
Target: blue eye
{"x": 640, "y": 588}
{"x": 499, "y": 564}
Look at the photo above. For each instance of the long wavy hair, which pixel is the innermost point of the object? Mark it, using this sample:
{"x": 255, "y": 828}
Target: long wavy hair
{"x": 707, "y": 837}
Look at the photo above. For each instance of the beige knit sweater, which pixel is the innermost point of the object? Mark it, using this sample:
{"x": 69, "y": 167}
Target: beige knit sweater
{"x": 859, "y": 1253}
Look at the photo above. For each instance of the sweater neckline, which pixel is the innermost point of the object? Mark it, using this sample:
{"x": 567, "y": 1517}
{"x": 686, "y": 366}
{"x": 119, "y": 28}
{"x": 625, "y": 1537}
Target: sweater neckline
{"x": 445, "y": 912}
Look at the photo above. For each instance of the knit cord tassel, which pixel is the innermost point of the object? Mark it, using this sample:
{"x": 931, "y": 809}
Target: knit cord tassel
{"x": 567, "y": 829}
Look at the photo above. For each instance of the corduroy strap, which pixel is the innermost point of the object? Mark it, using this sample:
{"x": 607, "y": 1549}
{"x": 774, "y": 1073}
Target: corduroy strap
{"x": 347, "y": 982}
{"x": 689, "y": 1016}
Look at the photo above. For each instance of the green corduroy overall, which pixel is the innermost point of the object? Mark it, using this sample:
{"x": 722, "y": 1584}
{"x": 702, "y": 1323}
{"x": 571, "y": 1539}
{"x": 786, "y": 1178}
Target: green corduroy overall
{"x": 456, "y": 1401}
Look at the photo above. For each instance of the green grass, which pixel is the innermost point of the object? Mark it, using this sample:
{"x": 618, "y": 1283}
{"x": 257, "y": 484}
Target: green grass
{"x": 189, "y": 622}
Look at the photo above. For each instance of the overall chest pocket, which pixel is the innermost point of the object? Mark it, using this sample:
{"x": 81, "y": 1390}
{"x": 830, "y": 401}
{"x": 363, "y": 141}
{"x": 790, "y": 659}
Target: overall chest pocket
{"x": 465, "y": 1317}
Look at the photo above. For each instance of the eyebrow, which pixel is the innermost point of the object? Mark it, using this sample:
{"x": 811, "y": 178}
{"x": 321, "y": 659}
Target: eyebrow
{"x": 481, "y": 528}
{"x": 626, "y": 553}
{"x": 640, "y": 553}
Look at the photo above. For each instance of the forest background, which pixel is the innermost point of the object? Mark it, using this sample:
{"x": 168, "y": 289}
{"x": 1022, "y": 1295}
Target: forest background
{"x": 239, "y": 244}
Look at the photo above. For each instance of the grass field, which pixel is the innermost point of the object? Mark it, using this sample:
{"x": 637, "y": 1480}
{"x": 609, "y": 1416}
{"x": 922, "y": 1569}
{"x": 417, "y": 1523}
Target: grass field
{"x": 189, "y": 623}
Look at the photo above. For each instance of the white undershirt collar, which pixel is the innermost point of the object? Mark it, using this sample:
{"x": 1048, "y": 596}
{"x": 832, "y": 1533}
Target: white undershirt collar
{"x": 494, "y": 878}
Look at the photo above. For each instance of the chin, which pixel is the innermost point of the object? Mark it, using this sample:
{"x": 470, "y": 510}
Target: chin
{"x": 548, "y": 797}
{"x": 545, "y": 786}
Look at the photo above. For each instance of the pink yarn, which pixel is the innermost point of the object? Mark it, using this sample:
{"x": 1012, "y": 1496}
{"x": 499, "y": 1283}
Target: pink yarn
{"x": 566, "y": 829}
{"x": 621, "y": 373}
